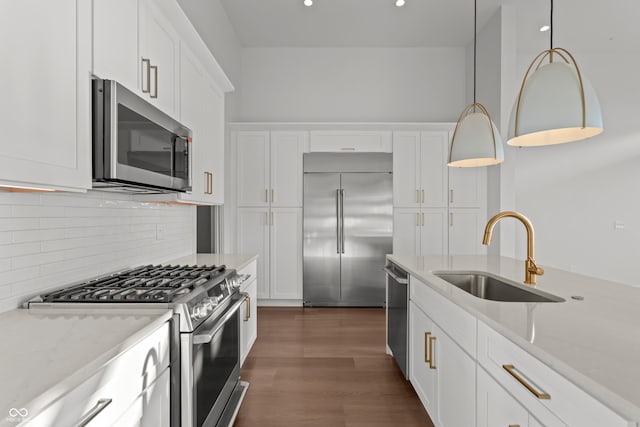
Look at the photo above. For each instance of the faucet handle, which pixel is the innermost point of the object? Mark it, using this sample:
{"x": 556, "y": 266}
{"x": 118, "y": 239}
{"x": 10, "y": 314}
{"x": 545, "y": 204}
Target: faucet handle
{"x": 533, "y": 268}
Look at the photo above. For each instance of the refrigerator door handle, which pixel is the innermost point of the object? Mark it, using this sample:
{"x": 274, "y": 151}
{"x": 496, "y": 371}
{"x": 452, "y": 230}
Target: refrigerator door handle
{"x": 338, "y": 225}
{"x": 342, "y": 221}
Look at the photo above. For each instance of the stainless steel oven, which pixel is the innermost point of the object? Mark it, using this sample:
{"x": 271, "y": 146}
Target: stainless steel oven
{"x": 210, "y": 360}
{"x": 136, "y": 147}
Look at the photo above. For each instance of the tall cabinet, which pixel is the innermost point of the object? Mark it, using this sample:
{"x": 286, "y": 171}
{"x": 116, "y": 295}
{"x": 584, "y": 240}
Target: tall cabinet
{"x": 437, "y": 210}
{"x": 269, "y": 201}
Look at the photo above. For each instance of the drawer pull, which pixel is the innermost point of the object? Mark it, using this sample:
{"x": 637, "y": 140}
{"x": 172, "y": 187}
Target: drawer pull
{"x": 513, "y": 372}
{"x": 427, "y": 358}
{"x": 514, "y": 425}
{"x": 431, "y": 341}
{"x": 247, "y": 314}
{"x": 100, "y": 405}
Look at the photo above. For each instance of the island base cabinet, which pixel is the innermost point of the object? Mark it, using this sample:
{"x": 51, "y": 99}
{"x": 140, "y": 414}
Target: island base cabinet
{"x": 511, "y": 366}
{"x": 441, "y": 372}
{"x": 496, "y": 407}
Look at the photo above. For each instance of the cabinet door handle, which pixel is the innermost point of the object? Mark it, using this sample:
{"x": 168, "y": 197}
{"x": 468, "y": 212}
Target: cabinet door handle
{"x": 206, "y": 182}
{"x": 514, "y": 373}
{"x": 514, "y": 425}
{"x": 451, "y": 219}
{"x": 272, "y": 218}
{"x": 432, "y": 339}
{"x": 451, "y": 196}
{"x": 247, "y": 314}
{"x": 427, "y": 357}
{"x": 273, "y": 195}
{"x": 417, "y": 196}
{"x": 155, "y": 83}
{"x": 423, "y": 219}
{"x": 210, "y": 182}
{"x": 417, "y": 220}
{"x": 148, "y": 63}
{"x": 422, "y": 196}
{"x": 266, "y": 195}
{"x": 93, "y": 412}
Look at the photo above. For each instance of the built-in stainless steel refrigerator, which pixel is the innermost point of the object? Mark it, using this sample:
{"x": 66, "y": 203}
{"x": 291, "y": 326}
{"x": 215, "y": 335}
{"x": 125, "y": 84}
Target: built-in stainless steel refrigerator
{"x": 348, "y": 223}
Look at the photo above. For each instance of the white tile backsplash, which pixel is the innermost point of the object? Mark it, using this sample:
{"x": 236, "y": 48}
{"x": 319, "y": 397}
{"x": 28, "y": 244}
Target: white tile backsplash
{"x": 53, "y": 239}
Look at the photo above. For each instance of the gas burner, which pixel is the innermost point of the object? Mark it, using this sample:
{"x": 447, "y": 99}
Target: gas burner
{"x": 149, "y": 283}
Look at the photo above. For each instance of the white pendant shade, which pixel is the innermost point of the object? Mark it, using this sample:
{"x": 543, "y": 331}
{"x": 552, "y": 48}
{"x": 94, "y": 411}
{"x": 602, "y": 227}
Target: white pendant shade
{"x": 550, "y": 109}
{"x": 476, "y": 141}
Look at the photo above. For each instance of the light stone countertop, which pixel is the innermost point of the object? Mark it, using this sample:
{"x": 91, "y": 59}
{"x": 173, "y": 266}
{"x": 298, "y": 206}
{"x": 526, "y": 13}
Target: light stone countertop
{"x": 236, "y": 261}
{"x": 595, "y": 343}
{"x": 46, "y": 353}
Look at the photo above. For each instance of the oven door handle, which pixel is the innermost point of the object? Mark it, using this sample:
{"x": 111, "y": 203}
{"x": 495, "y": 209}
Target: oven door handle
{"x": 206, "y": 337}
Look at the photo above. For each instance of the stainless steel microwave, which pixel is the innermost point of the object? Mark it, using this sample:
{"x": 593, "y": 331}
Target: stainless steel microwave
{"x": 136, "y": 147}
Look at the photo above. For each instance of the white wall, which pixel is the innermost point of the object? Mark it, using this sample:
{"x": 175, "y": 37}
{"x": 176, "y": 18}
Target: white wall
{"x": 352, "y": 84}
{"x": 574, "y": 192}
{"x": 212, "y": 23}
{"x": 49, "y": 240}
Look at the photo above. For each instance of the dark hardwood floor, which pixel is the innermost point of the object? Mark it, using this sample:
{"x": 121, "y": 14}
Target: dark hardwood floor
{"x": 325, "y": 367}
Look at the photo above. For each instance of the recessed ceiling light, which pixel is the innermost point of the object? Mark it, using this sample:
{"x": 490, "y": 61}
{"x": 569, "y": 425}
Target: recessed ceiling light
{"x": 545, "y": 28}
{"x": 399, "y": 3}
{"x": 308, "y": 2}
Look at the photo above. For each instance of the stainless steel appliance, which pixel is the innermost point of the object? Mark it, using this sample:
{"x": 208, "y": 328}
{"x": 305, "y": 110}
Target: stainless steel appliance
{"x": 136, "y": 147}
{"x": 398, "y": 315}
{"x": 205, "y": 358}
{"x": 347, "y": 214}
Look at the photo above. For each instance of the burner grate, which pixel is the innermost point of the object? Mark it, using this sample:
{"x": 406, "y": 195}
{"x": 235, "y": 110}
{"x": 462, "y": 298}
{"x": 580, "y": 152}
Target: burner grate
{"x": 149, "y": 283}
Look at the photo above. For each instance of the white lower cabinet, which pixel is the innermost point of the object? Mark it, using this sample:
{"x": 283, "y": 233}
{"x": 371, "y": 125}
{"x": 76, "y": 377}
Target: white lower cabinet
{"x": 135, "y": 384}
{"x": 248, "y": 312}
{"x": 442, "y": 373}
{"x": 547, "y": 395}
{"x": 496, "y": 407}
{"x": 276, "y": 236}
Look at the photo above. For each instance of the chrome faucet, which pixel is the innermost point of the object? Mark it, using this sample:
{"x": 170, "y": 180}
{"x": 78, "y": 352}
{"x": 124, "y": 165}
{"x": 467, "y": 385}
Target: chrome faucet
{"x": 531, "y": 270}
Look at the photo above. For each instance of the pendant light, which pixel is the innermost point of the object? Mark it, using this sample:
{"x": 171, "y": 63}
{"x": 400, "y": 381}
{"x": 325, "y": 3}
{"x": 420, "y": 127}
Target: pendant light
{"x": 556, "y": 103}
{"x": 476, "y": 141}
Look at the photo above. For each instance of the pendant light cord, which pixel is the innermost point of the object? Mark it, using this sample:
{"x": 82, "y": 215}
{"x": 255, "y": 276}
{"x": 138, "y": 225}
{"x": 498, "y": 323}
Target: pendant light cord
{"x": 475, "y": 23}
{"x": 551, "y": 26}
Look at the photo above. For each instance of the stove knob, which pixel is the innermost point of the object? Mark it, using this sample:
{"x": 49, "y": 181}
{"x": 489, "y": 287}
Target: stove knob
{"x": 199, "y": 311}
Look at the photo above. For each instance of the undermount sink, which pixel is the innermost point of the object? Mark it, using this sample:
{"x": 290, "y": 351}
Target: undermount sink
{"x": 490, "y": 287}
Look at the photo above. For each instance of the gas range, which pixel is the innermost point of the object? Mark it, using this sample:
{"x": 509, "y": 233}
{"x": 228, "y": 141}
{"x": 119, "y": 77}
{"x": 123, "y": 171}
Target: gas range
{"x": 205, "y": 358}
{"x": 193, "y": 292}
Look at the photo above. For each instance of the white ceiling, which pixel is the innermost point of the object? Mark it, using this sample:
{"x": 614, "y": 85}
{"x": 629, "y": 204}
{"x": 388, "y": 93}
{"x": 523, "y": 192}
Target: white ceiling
{"x": 578, "y": 24}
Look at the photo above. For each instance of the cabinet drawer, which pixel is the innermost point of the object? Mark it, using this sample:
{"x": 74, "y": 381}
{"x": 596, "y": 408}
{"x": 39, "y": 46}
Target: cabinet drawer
{"x": 251, "y": 269}
{"x": 350, "y": 141}
{"x": 460, "y": 325}
{"x": 564, "y": 399}
{"x": 122, "y": 381}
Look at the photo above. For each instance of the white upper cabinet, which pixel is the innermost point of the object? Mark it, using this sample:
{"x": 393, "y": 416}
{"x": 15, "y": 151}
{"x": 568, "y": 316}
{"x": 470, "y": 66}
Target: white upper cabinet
{"x": 467, "y": 187}
{"x": 46, "y": 92}
{"x": 286, "y": 168}
{"x": 252, "y": 159}
{"x": 269, "y": 167}
{"x": 350, "y": 141}
{"x": 433, "y": 174}
{"x": 419, "y": 169}
{"x": 115, "y": 53}
{"x": 159, "y": 58}
{"x": 406, "y": 169}
{"x": 206, "y": 119}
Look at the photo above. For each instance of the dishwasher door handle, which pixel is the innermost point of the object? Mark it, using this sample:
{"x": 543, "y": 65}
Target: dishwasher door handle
{"x": 394, "y": 276}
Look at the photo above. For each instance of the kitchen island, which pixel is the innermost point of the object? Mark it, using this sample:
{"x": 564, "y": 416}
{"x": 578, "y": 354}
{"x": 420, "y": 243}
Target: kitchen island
{"x": 590, "y": 339}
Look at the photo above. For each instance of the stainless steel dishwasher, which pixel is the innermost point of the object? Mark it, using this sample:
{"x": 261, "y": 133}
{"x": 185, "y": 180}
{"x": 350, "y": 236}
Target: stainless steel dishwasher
{"x": 398, "y": 315}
